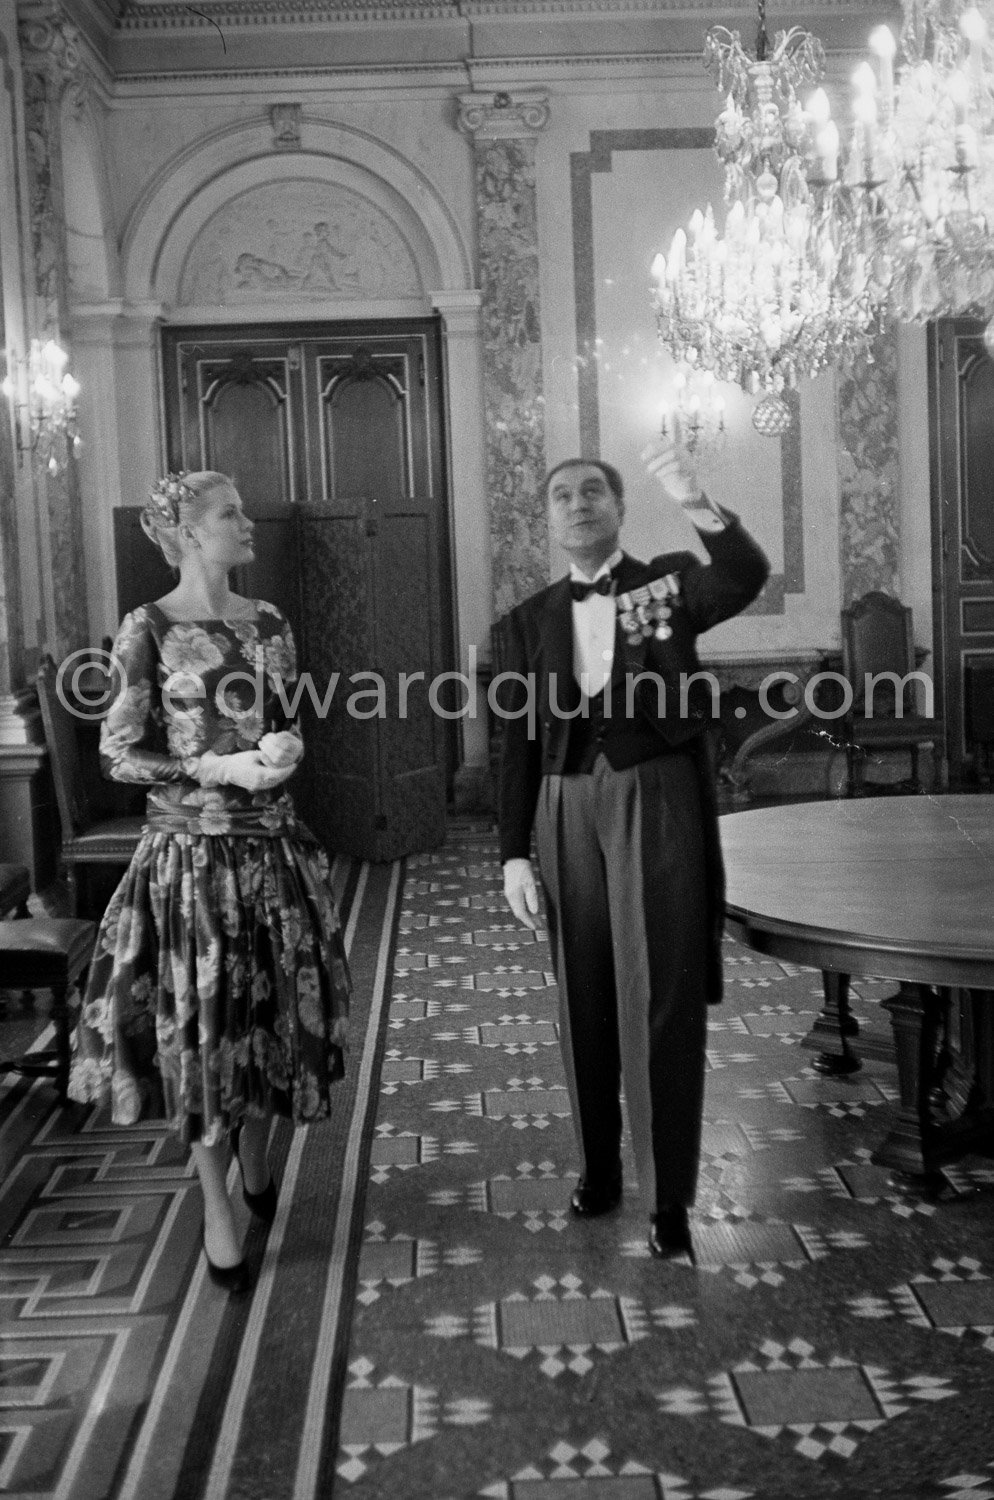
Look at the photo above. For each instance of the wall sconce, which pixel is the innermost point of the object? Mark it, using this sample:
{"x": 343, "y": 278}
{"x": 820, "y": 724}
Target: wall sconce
{"x": 47, "y": 418}
{"x": 696, "y": 415}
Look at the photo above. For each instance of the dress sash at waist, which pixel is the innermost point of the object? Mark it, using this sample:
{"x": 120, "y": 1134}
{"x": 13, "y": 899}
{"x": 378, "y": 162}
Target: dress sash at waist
{"x": 220, "y": 811}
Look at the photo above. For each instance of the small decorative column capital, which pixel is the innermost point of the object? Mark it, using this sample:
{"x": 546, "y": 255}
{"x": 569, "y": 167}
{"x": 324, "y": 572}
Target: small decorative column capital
{"x": 461, "y": 312}
{"x": 504, "y": 115}
{"x": 50, "y": 45}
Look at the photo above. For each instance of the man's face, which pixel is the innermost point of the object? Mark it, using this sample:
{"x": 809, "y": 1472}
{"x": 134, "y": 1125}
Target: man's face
{"x": 584, "y": 514}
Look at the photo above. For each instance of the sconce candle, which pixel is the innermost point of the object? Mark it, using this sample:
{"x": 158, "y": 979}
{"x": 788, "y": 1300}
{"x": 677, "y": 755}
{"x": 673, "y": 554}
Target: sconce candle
{"x": 48, "y": 410}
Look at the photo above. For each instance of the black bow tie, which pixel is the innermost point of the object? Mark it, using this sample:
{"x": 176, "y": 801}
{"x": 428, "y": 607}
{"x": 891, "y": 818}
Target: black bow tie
{"x": 580, "y": 591}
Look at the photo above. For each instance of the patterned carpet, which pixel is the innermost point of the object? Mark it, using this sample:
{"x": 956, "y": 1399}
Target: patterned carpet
{"x": 429, "y": 1322}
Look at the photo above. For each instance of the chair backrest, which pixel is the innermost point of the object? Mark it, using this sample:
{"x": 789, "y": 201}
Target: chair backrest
{"x": 878, "y": 636}
{"x": 63, "y": 753}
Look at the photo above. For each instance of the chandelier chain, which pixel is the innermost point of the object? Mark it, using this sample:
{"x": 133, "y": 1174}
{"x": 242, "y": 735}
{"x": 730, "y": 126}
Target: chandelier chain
{"x": 762, "y": 39}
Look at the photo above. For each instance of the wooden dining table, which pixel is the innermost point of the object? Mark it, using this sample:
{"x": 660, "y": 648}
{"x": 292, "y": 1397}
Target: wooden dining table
{"x": 897, "y": 888}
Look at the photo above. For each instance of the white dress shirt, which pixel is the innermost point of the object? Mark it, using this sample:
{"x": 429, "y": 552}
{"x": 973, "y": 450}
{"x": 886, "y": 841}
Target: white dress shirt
{"x": 593, "y": 631}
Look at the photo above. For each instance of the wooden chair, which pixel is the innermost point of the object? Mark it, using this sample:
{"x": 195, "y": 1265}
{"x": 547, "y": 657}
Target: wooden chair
{"x": 877, "y": 637}
{"x": 15, "y": 888}
{"x": 89, "y": 835}
{"x": 46, "y": 953}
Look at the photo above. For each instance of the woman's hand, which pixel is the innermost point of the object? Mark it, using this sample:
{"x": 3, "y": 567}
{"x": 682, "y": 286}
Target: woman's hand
{"x": 280, "y": 748}
{"x": 246, "y": 768}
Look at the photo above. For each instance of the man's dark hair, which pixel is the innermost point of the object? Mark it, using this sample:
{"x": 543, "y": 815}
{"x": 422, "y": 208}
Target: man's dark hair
{"x": 614, "y": 480}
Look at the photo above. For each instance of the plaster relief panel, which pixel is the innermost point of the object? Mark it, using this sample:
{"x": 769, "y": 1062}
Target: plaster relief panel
{"x": 298, "y": 240}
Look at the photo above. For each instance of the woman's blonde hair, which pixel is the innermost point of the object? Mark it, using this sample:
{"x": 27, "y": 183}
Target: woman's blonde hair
{"x": 174, "y": 500}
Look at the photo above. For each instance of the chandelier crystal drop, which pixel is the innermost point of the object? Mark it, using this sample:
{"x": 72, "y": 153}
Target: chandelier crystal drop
{"x": 792, "y": 283}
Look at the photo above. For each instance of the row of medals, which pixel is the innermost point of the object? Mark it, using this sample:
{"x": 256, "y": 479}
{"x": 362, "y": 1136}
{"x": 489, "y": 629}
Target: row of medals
{"x": 644, "y": 611}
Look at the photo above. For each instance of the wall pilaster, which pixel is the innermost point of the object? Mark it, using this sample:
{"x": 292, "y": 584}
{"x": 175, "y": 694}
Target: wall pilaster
{"x": 53, "y": 80}
{"x": 94, "y": 338}
{"x": 504, "y": 127}
{"x": 470, "y": 517}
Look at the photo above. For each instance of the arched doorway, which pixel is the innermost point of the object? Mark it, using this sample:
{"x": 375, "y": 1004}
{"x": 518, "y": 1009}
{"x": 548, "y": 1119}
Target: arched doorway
{"x": 298, "y": 356}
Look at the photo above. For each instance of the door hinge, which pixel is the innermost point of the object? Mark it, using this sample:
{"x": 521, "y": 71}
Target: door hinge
{"x": 381, "y": 822}
{"x": 372, "y": 528}
{"x": 421, "y": 371}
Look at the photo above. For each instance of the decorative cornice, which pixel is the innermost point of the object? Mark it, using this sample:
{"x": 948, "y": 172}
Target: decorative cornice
{"x": 172, "y": 17}
{"x": 132, "y": 14}
{"x": 662, "y": 69}
{"x": 163, "y": 41}
{"x": 503, "y": 114}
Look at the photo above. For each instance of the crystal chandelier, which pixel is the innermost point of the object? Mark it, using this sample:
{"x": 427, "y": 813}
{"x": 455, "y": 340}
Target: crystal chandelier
{"x": 45, "y": 422}
{"x": 794, "y": 281}
{"x": 933, "y": 141}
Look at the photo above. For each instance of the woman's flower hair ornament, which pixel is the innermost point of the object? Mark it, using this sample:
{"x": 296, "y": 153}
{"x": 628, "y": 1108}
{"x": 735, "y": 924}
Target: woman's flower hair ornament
{"x": 165, "y": 498}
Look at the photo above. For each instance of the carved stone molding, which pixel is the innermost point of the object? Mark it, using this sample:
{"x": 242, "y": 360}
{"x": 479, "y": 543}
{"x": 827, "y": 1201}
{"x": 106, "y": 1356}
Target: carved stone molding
{"x": 285, "y": 120}
{"x": 298, "y": 239}
{"x": 503, "y": 115}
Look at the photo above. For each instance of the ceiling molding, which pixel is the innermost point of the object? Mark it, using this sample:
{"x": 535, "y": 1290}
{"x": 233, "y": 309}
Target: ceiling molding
{"x": 156, "y": 41}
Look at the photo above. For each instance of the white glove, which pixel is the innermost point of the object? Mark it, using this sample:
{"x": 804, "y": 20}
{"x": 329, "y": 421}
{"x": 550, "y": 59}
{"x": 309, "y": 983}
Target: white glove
{"x": 280, "y": 748}
{"x": 246, "y": 768}
{"x": 521, "y": 892}
{"x": 671, "y": 465}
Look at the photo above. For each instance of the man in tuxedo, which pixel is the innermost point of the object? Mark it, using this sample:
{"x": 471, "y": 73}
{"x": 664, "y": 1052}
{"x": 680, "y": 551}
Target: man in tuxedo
{"x": 606, "y": 757}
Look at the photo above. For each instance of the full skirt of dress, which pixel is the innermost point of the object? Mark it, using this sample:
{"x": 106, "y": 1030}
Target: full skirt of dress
{"x": 219, "y": 985}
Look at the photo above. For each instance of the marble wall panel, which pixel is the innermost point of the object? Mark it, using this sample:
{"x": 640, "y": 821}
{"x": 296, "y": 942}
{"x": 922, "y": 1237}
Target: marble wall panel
{"x": 869, "y": 522}
{"x": 512, "y": 344}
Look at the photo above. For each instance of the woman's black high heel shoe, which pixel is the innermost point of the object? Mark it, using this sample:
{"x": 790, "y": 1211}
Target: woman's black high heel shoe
{"x": 263, "y": 1204}
{"x": 233, "y": 1279}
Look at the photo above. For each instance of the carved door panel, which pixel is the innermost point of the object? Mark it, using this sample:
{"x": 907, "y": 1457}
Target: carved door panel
{"x": 334, "y": 440}
{"x": 963, "y": 389}
{"x": 236, "y": 404}
{"x": 371, "y": 541}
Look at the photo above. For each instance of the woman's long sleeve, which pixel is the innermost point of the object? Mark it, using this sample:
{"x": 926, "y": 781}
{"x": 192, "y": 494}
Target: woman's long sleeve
{"x": 132, "y": 736}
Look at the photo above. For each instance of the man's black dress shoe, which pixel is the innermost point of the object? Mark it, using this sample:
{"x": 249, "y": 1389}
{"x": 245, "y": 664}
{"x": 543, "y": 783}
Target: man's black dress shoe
{"x": 669, "y": 1233}
{"x": 592, "y": 1198}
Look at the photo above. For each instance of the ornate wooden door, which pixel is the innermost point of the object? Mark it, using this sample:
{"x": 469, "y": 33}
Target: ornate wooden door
{"x": 235, "y": 404}
{"x": 334, "y": 440}
{"x": 962, "y": 376}
{"x": 370, "y": 538}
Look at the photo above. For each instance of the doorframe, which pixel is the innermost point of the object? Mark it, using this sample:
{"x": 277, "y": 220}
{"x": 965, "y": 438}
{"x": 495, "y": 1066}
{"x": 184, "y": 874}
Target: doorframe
{"x": 945, "y": 452}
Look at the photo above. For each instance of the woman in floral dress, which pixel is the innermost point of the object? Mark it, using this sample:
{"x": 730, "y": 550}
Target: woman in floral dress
{"x": 219, "y": 989}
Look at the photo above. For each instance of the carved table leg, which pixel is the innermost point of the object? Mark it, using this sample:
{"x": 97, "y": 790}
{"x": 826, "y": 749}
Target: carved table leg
{"x": 916, "y": 1017}
{"x": 835, "y": 1023}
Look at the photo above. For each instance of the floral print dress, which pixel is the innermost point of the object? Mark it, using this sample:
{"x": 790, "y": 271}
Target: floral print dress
{"x": 219, "y": 984}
